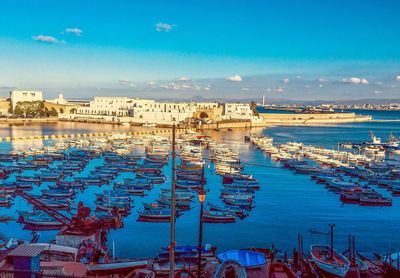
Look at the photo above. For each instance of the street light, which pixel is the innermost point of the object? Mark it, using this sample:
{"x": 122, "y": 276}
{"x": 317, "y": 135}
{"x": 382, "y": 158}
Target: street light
{"x": 202, "y": 198}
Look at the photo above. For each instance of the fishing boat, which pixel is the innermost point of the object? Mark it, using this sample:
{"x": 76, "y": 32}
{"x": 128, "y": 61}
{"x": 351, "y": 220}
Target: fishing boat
{"x": 247, "y": 258}
{"x": 280, "y": 270}
{"x": 149, "y": 125}
{"x": 230, "y": 268}
{"x": 116, "y": 267}
{"x": 210, "y": 216}
{"x": 187, "y": 251}
{"x": 238, "y": 211}
{"x": 110, "y": 206}
{"x": 155, "y": 215}
{"x": 328, "y": 260}
{"x": 42, "y": 221}
{"x": 30, "y": 179}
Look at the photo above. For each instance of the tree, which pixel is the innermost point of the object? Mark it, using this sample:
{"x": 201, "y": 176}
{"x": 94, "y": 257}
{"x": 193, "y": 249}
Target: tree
{"x": 52, "y": 113}
{"x": 32, "y": 109}
{"x": 253, "y": 107}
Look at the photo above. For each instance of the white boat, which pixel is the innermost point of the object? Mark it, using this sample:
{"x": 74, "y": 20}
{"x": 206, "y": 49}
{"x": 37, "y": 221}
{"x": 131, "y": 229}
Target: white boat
{"x": 328, "y": 260}
{"x": 148, "y": 124}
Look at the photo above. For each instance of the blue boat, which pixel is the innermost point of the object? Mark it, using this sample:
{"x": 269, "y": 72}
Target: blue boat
{"x": 187, "y": 251}
{"x": 247, "y": 258}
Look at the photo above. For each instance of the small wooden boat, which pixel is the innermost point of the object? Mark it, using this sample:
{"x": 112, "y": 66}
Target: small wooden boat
{"x": 42, "y": 221}
{"x": 330, "y": 261}
{"x": 155, "y": 215}
{"x": 187, "y": 252}
{"x": 247, "y": 258}
{"x": 230, "y": 268}
{"x": 279, "y": 270}
{"x": 218, "y": 217}
{"x": 28, "y": 179}
{"x": 117, "y": 267}
{"x": 161, "y": 267}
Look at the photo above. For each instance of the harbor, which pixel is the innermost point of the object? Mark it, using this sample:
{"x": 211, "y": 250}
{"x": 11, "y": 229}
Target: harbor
{"x": 123, "y": 180}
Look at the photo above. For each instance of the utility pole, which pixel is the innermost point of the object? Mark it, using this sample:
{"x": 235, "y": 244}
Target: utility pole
{"x": 172, "y": 224}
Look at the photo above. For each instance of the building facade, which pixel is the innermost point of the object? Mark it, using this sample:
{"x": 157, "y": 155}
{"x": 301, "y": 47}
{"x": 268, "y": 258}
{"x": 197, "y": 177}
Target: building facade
{"x": 20, "y": 96}
{"x": 238, "y": 111}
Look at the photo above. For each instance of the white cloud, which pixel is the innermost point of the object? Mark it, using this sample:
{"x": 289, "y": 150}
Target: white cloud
{"x": 164, "y": 27}
{"x": 234, "y": 78}
{"x": 183, "y": 78}
{"x": 75, "y": 31}
{"x": 355, "y": 80}
{"x": 323, "y": 80}
{"x": 279, "y": 90}
{"x": 48, "y": 39}
{"x": 126, "y": 83}
{"x": 397, "y": 77}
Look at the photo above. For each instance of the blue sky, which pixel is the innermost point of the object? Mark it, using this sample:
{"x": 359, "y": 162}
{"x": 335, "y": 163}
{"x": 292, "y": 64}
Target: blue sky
{"x": 239, "y": 49}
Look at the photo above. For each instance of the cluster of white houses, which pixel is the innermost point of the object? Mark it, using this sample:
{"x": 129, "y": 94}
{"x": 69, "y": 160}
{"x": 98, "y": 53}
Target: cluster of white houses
{"x": 125, "y": 109}
{"x": 147, "y": 110}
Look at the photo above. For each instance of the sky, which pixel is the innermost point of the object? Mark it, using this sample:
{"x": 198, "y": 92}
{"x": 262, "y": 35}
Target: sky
{"x": 285, "y": 49}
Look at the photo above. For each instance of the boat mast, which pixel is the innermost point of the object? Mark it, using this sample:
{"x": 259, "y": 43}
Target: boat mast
{"x": 331, "y": 225}
{"x": 172, "y": 224}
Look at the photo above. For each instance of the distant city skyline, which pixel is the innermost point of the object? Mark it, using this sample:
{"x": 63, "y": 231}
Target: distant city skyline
{"x": 299, "y": 50}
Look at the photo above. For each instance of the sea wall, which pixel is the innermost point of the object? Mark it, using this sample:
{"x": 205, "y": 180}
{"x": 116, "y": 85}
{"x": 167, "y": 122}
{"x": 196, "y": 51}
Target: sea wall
{"x": 312, "y": 119}
{"x": 231, "y": 124}
{"x": 27, "y": 120}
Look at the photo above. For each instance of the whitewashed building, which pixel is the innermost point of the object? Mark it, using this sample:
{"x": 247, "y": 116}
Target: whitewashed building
{"x": 163, "y": 112}
{"x": 60, "y": 100}
{"x": 107, "y": 106}
{"x": 23, "y": 95}
{"x": 239, "y": 111}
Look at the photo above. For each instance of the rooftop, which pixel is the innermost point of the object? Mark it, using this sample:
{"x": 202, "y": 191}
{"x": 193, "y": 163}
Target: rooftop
{"x": 27, "y": 250}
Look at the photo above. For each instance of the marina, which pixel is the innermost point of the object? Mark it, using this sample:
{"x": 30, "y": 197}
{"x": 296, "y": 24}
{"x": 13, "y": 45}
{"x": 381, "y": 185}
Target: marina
{"x": 125, "y": 181}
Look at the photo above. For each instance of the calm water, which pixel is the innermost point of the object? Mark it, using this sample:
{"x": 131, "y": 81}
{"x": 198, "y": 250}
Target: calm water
{"x": 286, "y": 205}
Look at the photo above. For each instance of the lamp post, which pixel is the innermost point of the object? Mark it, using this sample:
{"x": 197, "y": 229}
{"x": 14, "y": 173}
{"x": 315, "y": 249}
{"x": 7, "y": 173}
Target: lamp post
{"x": 202, "y": 198}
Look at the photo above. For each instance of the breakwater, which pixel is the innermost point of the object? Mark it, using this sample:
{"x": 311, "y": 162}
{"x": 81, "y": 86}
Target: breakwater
{"x": 312, "y": 119}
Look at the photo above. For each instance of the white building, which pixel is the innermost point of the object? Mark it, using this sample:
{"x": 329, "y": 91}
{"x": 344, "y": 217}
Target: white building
{"x": 19, "y": 96}
{"x": 108, "y": 106}
{"x": 207, "y": 105}
{"x": 60, "y": 100}
{"x": 163, "y": 112}
{"x": 238, "y": 111}
{"x": 138, "y": 110}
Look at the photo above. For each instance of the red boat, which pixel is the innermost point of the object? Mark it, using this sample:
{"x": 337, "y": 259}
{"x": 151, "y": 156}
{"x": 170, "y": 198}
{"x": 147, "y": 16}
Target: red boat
{"x": 279, "y": 270}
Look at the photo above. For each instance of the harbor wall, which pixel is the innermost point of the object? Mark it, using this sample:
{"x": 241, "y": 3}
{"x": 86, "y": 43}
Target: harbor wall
{"x": 137, "y": 132}
{"x": 27, "y": 120}
{"x": 231, "y": 124}
{"x": 310, "y": 119}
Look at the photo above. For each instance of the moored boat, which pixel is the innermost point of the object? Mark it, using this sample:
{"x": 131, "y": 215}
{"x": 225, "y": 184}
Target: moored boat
{"x": 329, "y": 261}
